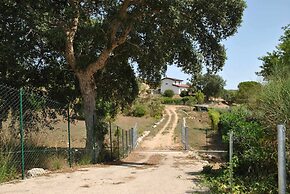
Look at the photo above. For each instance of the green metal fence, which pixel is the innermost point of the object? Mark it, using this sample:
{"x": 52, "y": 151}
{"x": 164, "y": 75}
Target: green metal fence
{"x": 37, "y": 132}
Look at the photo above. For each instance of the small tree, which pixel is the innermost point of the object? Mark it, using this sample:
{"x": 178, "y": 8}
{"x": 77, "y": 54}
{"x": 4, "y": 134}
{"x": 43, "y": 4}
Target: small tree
{"x": 199, "y": 97}
{"x": 183, "y": 93}
{"x": 210, "y": 84}
{"x": 168, "y": 93}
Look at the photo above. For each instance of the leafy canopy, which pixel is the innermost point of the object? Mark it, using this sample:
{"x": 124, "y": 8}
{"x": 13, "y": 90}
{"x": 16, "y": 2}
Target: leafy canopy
{"x": 277, "y": 61}
{"x": 187, "y": 33}
{"x": 211, "y": 85}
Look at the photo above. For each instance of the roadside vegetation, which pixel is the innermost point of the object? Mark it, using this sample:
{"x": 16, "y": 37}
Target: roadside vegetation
{"x": 254, "y": 126}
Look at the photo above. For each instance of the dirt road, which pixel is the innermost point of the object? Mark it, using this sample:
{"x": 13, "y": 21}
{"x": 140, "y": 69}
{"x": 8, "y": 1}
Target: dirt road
{"x": 155, "y": 167}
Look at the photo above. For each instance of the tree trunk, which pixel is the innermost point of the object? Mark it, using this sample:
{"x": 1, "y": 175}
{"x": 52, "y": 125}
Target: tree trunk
{"x": 87, "y": 87}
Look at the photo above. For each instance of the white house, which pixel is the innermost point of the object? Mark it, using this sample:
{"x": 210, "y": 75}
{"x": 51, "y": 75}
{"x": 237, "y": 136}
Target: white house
{"x": 176, "y": 85}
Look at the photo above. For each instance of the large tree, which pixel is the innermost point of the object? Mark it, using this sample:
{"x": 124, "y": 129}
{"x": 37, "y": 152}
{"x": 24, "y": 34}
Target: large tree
{"x": 248, "y": 92}
{"x": 79, "y": 38}
{"x": 277, "y": 61}
{"x": 211, "y": 85}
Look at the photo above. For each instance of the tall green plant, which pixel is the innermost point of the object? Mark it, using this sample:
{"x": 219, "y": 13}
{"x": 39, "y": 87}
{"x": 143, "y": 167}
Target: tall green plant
{"x": 7, "y": 170}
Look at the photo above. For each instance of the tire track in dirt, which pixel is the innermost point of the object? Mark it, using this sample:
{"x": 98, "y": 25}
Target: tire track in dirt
{"x": 153, "y": 168}
{"x": 164, "y": 138}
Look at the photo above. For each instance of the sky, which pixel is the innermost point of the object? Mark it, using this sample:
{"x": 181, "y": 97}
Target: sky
{"x": 259, "y": 33}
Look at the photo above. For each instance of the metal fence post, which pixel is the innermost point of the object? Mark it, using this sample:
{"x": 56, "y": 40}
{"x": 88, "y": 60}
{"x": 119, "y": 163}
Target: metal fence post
{"x": 281, "y": 159}
{"x": 111, "y": 143}
{"x": 126, "y": 134}
{"x": 132, "y": 139}
{"x": 118, "y": 142}
{"x": 186, "y": 138}
{"x": 123, "y": 146}
{"x": 21, "y": 132}
{"x": 231, "y": 158}
{"x": 94, "y": 138}
{"x": 68, "y": 136}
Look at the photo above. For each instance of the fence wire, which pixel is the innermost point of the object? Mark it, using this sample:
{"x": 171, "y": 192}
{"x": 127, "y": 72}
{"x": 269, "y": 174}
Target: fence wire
{"x": 37, "y": 132}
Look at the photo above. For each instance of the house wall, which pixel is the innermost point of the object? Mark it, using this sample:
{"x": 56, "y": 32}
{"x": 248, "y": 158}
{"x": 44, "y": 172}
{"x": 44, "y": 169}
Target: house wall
{"x": 166, "y": 84}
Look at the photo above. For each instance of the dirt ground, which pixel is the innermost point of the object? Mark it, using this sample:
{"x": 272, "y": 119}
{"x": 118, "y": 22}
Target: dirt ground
{"x": 156, "y": 166}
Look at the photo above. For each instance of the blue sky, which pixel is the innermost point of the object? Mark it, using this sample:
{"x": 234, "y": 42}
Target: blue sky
{"x": 259, "y": 33}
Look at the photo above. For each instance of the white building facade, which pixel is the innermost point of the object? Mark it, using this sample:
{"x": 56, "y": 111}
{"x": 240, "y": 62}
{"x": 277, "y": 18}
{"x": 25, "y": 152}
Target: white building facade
{"x": 173, "y": 84}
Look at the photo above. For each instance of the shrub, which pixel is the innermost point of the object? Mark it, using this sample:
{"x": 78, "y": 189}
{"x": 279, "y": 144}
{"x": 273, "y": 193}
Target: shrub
{"x": 7, "y": 170}
{"x": 139, "y": 110}
{"x": 176, "y": 101}
{"x": 168, "y": 93}
{"x": 254, "y": 154}
{"x": 199, "y": 97}
{"x": 183, "y": 93}
{"x": 156, "y": 109}
{"x": 191, "y": 101}
{"x": 215, "y": 118}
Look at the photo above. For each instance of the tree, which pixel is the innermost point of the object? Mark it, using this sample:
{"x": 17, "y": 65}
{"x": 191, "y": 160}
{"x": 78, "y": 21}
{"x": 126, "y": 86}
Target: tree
{"x": 211, "y": 85}
{"x": 199, "y": 97}
{"x": 229, "y": 95}
{"x": 278, "y": 61}
{"x": 168, "y": 93}
{"x": 248, "y": 92}
{"x": 81, "y": 38}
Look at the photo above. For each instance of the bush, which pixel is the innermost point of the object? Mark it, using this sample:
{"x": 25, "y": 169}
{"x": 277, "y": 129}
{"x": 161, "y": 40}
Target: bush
{"x": 7, "y": 170}
{"x": 183, "y": 93}
{"x": 167, "y": 100}
{"x": 139, "y": 110}
{"x": 215, "y": 118}
{"x": 254, "y": 153}
{"x": 156, "y": 109}
{"x": 168, "y": 93}
{"x": 274, "y": 102}
{"x": 199, "y": 97}
{"x": 191, "y": 101}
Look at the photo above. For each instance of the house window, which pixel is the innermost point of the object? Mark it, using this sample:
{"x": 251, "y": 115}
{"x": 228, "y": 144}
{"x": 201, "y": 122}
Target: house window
{"x": 166, "y": 83}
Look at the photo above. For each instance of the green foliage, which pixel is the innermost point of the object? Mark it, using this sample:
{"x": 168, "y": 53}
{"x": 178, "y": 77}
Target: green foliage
{"x": 248, "y": 92}
{"x": 219, "y": 182}
{"x": 167, "y": 100}
{"x": 168, "y": 93}
{"x": 199, "y": 97}
{"x": 43, "y": 40}
{"x": 279, "y": 59}
{"x": 183, "y": 93}
{"x": 229, "y": 96}
{"x": 211, "y": 85}
{"x": 155, "y": 108}
{"x": 274, "y": 102}
{"x": 254, "y": 149}
{"x": 214, "y": 116}
{"x": 139, "y": 110}
{"x": 7, "y": 170}
{"x": 190, "y": 100}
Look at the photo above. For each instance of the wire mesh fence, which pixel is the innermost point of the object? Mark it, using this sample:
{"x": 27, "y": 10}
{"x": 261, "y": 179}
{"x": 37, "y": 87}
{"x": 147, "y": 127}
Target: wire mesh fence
{"x": 193, "y": 138}
{"x": 37, "y": 132}
{"x": 121, "y": 142}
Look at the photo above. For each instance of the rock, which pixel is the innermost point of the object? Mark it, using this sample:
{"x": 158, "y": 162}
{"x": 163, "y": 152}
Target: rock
{"x": 35, "y": 172}
{"x": 193, "y": 155}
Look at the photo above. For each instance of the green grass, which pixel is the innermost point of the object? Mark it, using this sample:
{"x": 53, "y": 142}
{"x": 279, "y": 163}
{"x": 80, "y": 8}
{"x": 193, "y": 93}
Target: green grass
{"x": 7, "y": 168}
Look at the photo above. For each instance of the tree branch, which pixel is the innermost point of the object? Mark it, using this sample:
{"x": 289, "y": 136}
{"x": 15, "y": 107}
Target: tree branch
{"x": 114, "y": 41}
{"x": 70, "y": 35}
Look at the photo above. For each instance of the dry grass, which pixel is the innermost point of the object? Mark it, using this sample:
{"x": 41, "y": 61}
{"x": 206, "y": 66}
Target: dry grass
{"x": 198, "y": 125}
{"x": 143, "y": 123}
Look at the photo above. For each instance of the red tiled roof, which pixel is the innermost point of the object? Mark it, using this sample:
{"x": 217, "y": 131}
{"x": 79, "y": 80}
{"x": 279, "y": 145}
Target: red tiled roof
{"x": 181, "y": 85}
{"x": 174, "y": 79}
